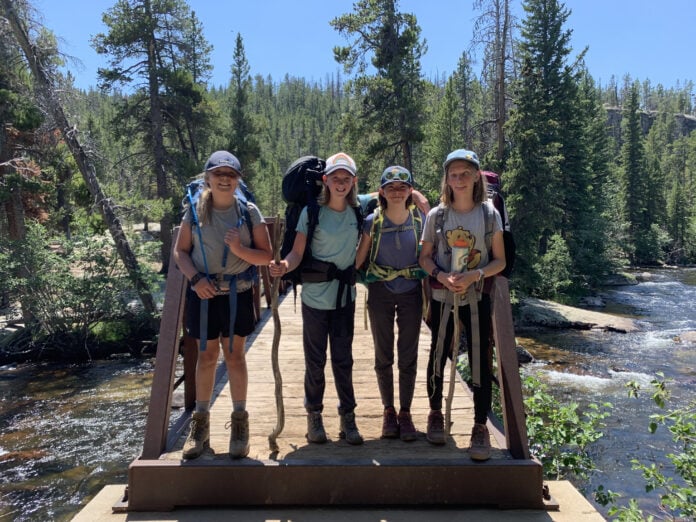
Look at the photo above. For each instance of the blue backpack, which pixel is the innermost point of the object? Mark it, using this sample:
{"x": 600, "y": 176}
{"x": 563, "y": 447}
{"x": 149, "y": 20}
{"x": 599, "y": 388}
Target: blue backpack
{"x": 193, "y": 193}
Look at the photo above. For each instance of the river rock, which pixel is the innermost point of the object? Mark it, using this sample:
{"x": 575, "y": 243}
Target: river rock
{"x": 523, "y": 356}
{"x": 643, "y": 277}
{"x": 686, "y": 337}
{"x": 537, "y": 312}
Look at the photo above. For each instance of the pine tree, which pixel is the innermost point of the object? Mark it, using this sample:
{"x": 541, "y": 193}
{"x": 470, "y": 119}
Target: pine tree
{"x": 443, "y": 136}
{"x": 634, "y": 180}
{"x": 494, "y": 29}
{"x": 148, "y": 44}
{"x": 41, "y": 62}
{"x": 242, "y": 132}
{"x": 547, "y": 179}
{"x": 390, "y": 102}
{"x": 592, "y": 247}
{"x": 471, "y": 111}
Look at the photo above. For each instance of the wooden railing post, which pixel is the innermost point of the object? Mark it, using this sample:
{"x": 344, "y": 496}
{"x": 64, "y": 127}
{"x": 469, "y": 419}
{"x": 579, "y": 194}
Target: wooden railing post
{"x": 157, "y": 424}
{"x": 508, "y": 372}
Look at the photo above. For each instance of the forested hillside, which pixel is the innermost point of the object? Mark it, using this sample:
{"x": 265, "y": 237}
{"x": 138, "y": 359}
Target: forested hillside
{"x": 596, "y": 177}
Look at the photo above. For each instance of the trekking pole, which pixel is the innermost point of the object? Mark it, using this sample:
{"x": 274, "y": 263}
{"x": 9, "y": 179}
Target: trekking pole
{"x": 459, "y": 260}
{"x": 453, "y": 366}
{"x": 275, "y": 286}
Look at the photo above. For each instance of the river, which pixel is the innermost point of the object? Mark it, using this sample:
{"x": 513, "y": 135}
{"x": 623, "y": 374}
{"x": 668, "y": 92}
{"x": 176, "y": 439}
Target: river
{"x": 65, "y": 432}
{"x": 595, "y": 366}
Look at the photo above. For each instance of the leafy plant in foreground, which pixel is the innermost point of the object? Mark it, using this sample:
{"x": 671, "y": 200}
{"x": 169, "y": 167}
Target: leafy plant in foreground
{"x": 560, "y": 434}
{"x": 676, "y": 486}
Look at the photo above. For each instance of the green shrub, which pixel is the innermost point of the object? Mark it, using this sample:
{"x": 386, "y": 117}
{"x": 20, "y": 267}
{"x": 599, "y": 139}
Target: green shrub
{"x": 560, "y": 434}
{"x": 554, "y": 271}
{"x": 66, "y": 289}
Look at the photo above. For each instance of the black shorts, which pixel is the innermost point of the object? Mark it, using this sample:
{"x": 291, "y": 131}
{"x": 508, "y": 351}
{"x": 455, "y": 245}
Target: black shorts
{"x": 219, "y": 315}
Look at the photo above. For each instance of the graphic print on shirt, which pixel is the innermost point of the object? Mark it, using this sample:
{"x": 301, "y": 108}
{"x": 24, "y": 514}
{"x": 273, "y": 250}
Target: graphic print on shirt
{"x": 465, "y": 238}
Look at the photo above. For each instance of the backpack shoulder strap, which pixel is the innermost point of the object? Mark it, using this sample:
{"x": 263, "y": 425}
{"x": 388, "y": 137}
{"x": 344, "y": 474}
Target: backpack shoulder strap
{"x": 245, "y": 216}
{"x": 417, "y": 221}
{"x": 312, "y": 222}
{"x": 440, "y": 218}
{"x": 376, "y": 233}
{"x": 489, "y": 223}
{"x": 359, "y": 216}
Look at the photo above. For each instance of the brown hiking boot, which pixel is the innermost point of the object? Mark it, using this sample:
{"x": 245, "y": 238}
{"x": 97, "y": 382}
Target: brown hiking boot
{"x": 390, "y": 425}
{"x": 199, "y": 437}
{"x": 315, "y": 428}
{"x": 239, "y": 438}
{"x": 407, "y": 430}
{"x": 436, "y": 428}
{"x": 349, "y": 430}
{"x": 480, "y": 447}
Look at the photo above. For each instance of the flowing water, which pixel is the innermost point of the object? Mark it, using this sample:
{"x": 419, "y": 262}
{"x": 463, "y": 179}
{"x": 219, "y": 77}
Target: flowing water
{"x": 65, "y": 432}
{"x": 593, "y": 366}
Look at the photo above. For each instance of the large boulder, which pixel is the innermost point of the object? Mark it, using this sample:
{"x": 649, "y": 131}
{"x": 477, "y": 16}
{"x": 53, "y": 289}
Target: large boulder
{"x": 536, "y": 312}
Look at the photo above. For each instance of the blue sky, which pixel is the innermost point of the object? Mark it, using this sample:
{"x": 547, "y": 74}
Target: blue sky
{"x": 643, "y": 38}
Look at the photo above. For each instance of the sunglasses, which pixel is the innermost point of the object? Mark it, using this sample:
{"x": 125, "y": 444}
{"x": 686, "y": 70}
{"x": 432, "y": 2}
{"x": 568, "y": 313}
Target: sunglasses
{"x": 397, "y": 175}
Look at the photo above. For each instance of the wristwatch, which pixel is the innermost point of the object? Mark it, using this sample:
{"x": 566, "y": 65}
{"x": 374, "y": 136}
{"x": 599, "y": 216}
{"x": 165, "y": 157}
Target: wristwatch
{"x": 195, "y": 279}
{"x": 435, "y": 271}
{"x": 482, "y": 275}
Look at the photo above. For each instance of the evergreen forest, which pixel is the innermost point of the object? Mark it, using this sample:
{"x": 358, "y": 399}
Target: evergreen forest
{"x": 597, "y": 178}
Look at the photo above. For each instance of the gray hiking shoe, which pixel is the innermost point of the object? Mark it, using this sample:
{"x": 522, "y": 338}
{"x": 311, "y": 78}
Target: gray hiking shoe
{"x": 315, "y": 428}
{"x": 480, "y": 447}
{"x": 349, "y": 430}
{"x": 239, "y": 438}
{"x": 199, "y": 437}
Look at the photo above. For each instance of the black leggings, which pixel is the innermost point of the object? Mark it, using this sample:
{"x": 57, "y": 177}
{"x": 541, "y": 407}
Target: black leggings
{"x": 483, "y": 393}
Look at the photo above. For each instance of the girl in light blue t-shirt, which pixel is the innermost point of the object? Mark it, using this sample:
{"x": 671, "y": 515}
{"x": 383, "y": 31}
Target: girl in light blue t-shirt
{"x": 328, "y": 298}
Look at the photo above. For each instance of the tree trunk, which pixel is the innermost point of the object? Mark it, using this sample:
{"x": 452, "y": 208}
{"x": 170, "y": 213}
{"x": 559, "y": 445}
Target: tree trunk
{"x": 500, "y": 87}
{"x": 15, "y": 217}
{"x": 407, "y": 156}
{"x": 45, "y": 88}
{"x": 159, "y": 151}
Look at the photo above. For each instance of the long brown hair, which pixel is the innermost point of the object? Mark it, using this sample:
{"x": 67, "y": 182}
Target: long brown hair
{"x": 204, "y": 207}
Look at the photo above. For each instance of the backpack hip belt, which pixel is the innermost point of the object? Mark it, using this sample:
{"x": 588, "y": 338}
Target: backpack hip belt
{"x": 223, "y": 282}
{"x": 317, "y": 271}
{"x": 250, "y": 274}
{"x": 377, "y": 272}
{"x": 204, "y": 313}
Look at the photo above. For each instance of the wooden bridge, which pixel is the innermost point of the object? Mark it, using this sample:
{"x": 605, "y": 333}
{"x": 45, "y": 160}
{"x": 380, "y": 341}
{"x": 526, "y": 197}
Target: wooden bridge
{"x": 380, "y": 472}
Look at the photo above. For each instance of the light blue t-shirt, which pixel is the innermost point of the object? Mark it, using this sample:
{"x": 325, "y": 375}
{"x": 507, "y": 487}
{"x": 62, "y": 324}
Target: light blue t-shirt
{"x": 335, "y": 240}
